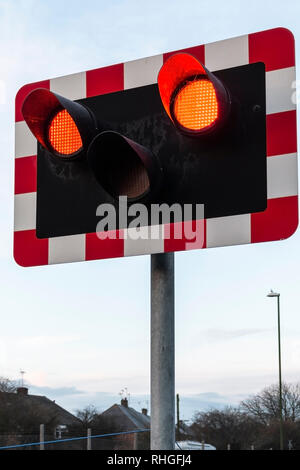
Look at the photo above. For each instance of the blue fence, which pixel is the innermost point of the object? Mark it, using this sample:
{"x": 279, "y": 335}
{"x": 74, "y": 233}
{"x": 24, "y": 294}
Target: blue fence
{"x": 72, "y": 439}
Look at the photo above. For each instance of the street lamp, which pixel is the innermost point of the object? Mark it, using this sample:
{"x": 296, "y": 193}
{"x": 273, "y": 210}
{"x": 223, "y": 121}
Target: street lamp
{"x": 274, "y": 294}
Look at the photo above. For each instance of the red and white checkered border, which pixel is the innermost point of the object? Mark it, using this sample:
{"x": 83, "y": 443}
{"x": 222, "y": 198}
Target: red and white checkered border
{"x": 275, "y": 48}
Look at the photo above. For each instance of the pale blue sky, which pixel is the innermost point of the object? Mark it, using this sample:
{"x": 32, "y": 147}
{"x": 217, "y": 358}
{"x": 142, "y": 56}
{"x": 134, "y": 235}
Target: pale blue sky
{"x": 81, "y": 331}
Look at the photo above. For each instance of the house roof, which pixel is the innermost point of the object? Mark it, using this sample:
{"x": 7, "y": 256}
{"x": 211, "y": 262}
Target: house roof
{"x": 128, "y": 417}
{"x": 49, "y": 407}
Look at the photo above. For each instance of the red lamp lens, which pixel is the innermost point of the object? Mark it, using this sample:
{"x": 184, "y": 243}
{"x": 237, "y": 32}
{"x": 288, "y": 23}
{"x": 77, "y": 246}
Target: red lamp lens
{"x": 195, "y": 105}
{"x": 63, "y": 134}
{"x": 195, "y": 100}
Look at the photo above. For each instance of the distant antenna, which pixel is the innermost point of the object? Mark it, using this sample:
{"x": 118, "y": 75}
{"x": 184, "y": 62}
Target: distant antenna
{"x": 124, "y": 393}
{"x": 22, "y": 372}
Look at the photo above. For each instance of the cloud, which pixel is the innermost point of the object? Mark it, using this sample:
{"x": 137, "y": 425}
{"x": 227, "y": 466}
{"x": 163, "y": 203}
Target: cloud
{"x": 53, "y": 392}
{"x": 210, "y": 396}
{"x": 189, "y": 404}
{"x": 74, "y": 399}
{"x": 192, "y": 404}
{"x": 216, "y": 334}
{"x": 45, "y": 341}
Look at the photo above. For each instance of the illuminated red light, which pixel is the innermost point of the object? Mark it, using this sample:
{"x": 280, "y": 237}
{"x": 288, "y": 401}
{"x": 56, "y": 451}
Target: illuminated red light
{"x": 63, "y": 134}
{"x": 195, "y": 105}
{"x": 194, "y": 99}
{"x": 64, "y": 127}
{"x": 173, "y": 73}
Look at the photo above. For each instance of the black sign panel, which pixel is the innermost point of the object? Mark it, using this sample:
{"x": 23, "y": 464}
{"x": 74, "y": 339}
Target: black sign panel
{"x": 225, "y": 171}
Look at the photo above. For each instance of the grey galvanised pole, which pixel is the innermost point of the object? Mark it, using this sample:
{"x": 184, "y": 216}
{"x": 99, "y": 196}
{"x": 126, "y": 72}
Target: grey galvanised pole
{"x": 162, "y": 352}
{"x": 42, "y": 437}
{"x": 89, "y": 439}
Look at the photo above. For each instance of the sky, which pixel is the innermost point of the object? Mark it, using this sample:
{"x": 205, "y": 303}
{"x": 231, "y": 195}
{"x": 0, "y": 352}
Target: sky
{"x": 81, "y": 332}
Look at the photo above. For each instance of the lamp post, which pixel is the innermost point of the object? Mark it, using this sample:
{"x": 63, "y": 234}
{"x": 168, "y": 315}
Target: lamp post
{"x": 274, "y": 294}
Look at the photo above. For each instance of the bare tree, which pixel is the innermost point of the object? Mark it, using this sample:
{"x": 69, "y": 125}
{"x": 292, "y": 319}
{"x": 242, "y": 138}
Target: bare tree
{"x": 100, "y": 424}
{"x": 87, "y": 415}
{"x": 223, "y": 427}
{"x": 7, "y": 385}
{"x": 264, "y": 406}
{"x": 255, "y": 421}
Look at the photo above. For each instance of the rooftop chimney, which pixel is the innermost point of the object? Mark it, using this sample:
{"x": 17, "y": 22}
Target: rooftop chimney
{"x": 22, "y": 391}
{"x": 145, "y": 411}
{"x": 124, "y": 402}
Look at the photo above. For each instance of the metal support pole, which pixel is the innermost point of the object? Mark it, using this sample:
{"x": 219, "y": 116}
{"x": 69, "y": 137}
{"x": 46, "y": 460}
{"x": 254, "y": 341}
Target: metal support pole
{"x": 89, "y": 440}
{"x": 280, "y": 379}
{"x": 42, "y": 437}
{"x": 162, "y": 352}
{"x": 178, "y": 417}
